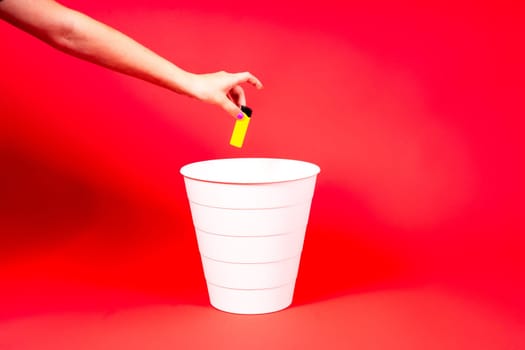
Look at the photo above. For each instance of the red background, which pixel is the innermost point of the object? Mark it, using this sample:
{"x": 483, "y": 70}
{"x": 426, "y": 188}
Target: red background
{"x": 414, "y": 114}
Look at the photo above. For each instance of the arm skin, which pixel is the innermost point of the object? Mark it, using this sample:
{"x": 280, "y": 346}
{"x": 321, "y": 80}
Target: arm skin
{"x": 79, "y": 35}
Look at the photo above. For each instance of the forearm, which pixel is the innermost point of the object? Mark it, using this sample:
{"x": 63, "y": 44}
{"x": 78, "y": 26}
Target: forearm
{"x": 102, "y": 45}
{"x": 86, "y": 38}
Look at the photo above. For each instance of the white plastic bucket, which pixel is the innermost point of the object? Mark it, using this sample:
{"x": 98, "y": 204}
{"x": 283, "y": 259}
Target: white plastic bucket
{"x": 250, "y": 217}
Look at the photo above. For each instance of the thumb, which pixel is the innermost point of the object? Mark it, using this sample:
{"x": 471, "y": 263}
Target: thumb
{"x": 231, "y": 108}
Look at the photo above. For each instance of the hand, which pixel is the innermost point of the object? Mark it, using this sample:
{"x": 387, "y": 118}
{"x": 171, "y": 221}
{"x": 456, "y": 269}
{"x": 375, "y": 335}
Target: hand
{"x": 223, "y": 89}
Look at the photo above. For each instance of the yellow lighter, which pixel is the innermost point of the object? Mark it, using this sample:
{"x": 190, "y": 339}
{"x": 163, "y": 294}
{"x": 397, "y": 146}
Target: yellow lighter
{"x": 240, "y": 128}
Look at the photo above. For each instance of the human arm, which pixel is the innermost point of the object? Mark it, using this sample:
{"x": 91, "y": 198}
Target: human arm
{"x": 79, "y": 35}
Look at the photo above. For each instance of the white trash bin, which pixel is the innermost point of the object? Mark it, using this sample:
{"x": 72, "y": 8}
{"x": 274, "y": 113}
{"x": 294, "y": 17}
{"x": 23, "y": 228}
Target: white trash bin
{"x": 250, "y": 217}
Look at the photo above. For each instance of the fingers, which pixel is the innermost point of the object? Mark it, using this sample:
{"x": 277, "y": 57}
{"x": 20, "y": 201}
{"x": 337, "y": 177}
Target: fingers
{"x": 246, "y": 77}
{"x": 232, "y": 109}
{"x": 237, "y": 95}
{"x": 233, "y": 95}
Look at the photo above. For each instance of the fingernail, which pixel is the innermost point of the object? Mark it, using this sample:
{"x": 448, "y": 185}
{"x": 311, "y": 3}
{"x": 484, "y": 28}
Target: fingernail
{"x": 240, "y": 115}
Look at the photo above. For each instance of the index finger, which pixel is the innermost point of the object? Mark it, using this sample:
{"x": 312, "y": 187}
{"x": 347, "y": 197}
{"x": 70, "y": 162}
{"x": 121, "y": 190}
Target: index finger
{"x": 246, "y": 77}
